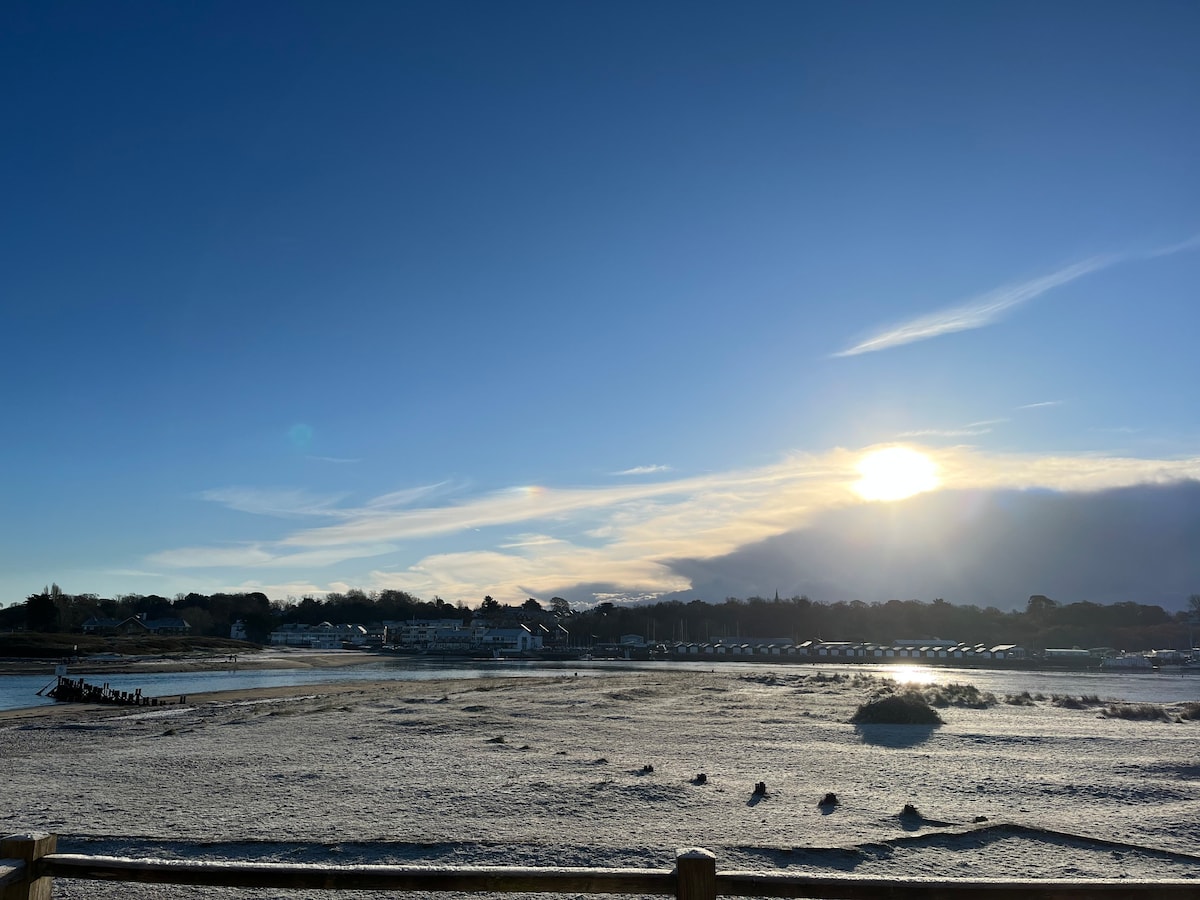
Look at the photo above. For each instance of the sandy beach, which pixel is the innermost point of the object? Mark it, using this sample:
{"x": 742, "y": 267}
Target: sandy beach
{"x": 557, "y": 770}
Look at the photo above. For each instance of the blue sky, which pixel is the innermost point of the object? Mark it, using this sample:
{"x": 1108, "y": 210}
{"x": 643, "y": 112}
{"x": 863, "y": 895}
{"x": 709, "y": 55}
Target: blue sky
{"x": 527, "y": 299}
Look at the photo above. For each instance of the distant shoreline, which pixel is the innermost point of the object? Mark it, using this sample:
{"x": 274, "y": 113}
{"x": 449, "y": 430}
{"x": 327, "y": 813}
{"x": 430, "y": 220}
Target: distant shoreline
{"x": 208, "y": 662}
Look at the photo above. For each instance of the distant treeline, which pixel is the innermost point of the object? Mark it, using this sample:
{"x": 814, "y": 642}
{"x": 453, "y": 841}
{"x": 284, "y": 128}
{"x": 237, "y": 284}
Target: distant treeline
{"x": 1043, "y": 623}
{"x": 53, "y": 610}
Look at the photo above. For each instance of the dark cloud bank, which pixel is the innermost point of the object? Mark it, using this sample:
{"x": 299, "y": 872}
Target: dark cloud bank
{"x": 992, "y": 548}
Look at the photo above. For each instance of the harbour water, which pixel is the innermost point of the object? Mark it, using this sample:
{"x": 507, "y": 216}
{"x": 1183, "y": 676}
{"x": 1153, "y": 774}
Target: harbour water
{"x": 20, "y": 691}
{"x": 1166, "y": 686}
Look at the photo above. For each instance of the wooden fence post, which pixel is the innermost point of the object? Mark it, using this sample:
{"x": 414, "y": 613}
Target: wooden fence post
{"x": 695, "y": 874}
{"x": 28, "y": 848}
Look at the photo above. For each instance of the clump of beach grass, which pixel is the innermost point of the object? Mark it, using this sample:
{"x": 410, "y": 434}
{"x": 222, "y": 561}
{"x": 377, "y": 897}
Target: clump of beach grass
{"x": 1144, "y": 712}
{"x": 862, "y": 679}
{"x": 939, "y": 695}
{"x": 1189, "y": 711}
{"x": 1022, "y": 699}
{"x": 1065, "y": 701}
{"x": 836, "y": 677}
{"x": 906, "y": 708}
{"x": 963, "y": 695}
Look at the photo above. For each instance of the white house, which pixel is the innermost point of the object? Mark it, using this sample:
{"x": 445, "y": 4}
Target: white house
{"x": 424, "y": 633}
{"x": 322, "y": 636}
{"x": 511, "y": 640}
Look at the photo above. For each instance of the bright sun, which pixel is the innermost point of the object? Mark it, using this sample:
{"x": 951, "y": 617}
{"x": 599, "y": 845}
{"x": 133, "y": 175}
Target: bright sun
{"x": 895, "y": 473}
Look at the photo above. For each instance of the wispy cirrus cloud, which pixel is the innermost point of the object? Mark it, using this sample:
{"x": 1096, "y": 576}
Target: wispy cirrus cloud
{"x": 530, "y": 540}
{"x": 264, "y": 555}
{"x": 274, "y": 502}
{"x": 977, "y": 312}
{"x": 1042, "y": 404}
{"x": 985, "y": 309}
{"x": 1192, "y": 243}
{"x": 295, "y": 503}
{"x": 131, "y": 573}
{"x": 945, "y": 432}
{"x": 373, "y": 529}
{"x": 971, "y": 429}
{"x": 246, "y": 555}
{"x": 409, "y": 496}
{"x": 644, "y": 470}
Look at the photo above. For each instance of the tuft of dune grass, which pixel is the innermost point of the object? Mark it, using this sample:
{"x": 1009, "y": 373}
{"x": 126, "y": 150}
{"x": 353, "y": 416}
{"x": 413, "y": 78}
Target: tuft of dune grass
{"x": 1189, "y": 711}
{"x": 907, "y": 708}
{"x": 964, "y": 695}
{"x": 1146, "y": 712}
{"x": 1065, "y": 701}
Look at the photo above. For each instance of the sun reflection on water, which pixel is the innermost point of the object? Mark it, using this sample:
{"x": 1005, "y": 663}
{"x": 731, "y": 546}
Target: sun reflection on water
{"x": 913, "y": 674}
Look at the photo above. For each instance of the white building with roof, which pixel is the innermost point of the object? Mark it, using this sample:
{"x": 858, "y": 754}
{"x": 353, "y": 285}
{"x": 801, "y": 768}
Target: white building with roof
{"x": 322, "y": 636}
{"x": 511, "y": 640}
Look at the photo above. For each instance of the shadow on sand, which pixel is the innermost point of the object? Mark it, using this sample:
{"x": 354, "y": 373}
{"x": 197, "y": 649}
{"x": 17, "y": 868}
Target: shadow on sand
{"x": 828, "y": 859}
{"x": 895, "y": 735}
{"x": 910, "y": 848}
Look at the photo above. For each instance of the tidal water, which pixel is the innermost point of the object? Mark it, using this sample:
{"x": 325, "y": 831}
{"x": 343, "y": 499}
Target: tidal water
{"x": 20, "y": 691}
{"x": 1168, "y": 686}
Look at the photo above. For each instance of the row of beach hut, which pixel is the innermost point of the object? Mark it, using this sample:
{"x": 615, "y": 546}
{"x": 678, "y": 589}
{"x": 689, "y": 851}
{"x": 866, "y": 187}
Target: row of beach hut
{"x": 932, "y": 649}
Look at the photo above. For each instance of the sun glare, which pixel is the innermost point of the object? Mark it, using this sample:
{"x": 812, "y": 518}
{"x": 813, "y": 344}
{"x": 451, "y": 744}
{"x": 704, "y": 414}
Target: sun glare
{"x": 895, "y": 473}
{"x": 912, "y": 674}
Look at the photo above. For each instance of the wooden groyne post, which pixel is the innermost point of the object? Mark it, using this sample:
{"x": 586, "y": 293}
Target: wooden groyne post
{"x": 24, "y": 850}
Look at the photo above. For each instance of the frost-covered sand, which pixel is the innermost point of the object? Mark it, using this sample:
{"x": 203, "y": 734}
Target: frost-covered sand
{"x": 550, "y": 772}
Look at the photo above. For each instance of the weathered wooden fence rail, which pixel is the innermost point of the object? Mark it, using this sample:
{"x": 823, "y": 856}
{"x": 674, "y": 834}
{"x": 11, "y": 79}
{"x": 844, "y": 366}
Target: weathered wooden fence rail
{"x": 29, "y": 863}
